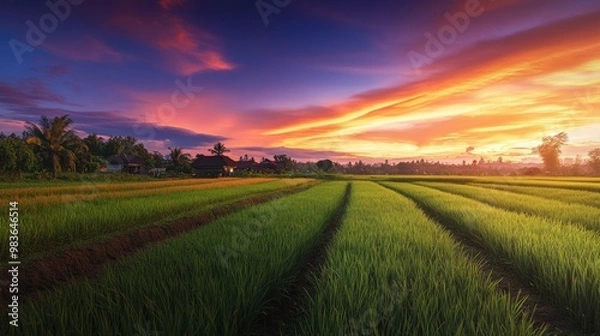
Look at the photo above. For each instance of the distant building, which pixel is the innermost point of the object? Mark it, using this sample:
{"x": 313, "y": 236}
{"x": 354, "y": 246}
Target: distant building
{"x": 214, "y": 166}
{"x": 125, "y": 163}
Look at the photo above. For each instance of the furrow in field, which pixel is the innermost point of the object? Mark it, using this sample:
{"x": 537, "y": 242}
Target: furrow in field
{"x": 582, "y": 215}
{"x": 213, "y": 281}
{"x": 563, "y": 195}
{"x": 392, "y": 271}
{"x": 535, "y": 303}
{"x": 560, "y": 261}
{"x": 290, "y": 300}
{"x": 47, "y": 273}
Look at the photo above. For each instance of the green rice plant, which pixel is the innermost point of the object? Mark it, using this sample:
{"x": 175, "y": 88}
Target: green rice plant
{"x": 213, "y": 281}
{"x": 558, "y": 194}
{"x": 392, "y": 271}
{"x": 546, "y": 183}
{"x": 84, "y": 187}
{"x": 569, "y": 213}
{"x": 92, "y": 193}
{"x": 561, "y": 261}
{"x": 62, "y": 225}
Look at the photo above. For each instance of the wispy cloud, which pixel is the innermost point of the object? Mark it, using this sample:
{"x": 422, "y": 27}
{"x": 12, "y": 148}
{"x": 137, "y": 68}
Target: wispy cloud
{"x": 84, "y": 48}
{"x": 186, "y": 49}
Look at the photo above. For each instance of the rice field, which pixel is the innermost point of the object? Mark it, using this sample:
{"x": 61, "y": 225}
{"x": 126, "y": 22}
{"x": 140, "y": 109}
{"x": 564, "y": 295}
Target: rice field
{"x": 371, "y": 256}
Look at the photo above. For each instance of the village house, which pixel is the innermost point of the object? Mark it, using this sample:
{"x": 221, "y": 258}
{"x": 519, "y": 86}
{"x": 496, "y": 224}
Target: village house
{"x": 125, "y": 163}
{"x": 213, "y": 166}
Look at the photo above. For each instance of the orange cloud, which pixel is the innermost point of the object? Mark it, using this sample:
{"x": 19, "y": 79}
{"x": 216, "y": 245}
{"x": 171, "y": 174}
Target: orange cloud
{"x": 186, "y": 49}
{"x": 495, "y": 96}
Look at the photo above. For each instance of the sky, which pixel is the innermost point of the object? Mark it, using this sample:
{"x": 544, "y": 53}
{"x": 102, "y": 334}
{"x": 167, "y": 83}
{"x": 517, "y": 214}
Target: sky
{"x": 346, "y": 80}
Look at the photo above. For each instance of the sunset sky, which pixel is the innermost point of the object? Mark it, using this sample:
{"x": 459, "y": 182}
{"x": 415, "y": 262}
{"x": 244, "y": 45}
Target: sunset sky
{"x": 321, "y": 79}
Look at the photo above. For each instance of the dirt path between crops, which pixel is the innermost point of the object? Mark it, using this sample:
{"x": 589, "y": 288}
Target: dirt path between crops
{"x": 291, "y": 298}
{"x": 42, "y": 275}
{"x": 545, "y": 314}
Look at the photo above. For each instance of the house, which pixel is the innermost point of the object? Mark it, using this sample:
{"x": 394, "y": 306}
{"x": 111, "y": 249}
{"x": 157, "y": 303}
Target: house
{"x": 268, "y": 167}
{"x": 125, "y": 163}
{"x": 244, "y": 167}
{"x": 214, "y": 166}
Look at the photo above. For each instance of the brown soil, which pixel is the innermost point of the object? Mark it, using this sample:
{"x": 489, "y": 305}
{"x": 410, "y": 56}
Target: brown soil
{"x": 39, "y": 276}
{"x": 536, "y": 305}
{"x": 288, "y": 304}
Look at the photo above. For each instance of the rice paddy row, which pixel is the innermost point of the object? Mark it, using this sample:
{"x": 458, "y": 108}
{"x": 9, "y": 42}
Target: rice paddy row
{"x": 44, "y": 230}
{"x": 561, "y": 261}
{"x": 578, "y": 214}
{"x": 389, "y": 270}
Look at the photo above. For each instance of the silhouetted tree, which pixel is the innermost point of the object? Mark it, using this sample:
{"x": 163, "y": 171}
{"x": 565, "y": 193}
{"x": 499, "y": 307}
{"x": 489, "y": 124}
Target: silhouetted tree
{"x": 56, "y": 143}
{"x": 285, "y": 161}
{"x": 550, "y": 151}
{"x": 219, "y": 149}
{"x": 595, "y": 160}
{"x": 179, "y": 160}
{"x": 16, "y": 156}
{"x": 325, "y": 165}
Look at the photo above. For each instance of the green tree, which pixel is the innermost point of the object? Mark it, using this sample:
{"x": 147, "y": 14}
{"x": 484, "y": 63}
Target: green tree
{"x": 16, "y": 156}
{"x": 595, "y": 160}
{"x": 286, "y": 162}
{"x": 56, "y": 143}
{"x": 95, "y": 144}
{"x": 219, "y": 149}
{"x": 179, "y": 160}
{"x": 550, "y": 151}
{"x": 326, "y": 165}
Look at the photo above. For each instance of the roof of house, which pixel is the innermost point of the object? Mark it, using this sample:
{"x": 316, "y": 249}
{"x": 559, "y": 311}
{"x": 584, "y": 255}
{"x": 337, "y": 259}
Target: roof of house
{"x": 125, "y": 159}
{"x": 245, "y": 164}
{"x": 216, "y": 161}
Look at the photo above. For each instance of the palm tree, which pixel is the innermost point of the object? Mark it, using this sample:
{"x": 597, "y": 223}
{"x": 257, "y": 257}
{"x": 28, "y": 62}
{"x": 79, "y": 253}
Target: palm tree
{"x": 178, "y": 158}
{"x": 56, "y": 143}
{"x": 219, "y": 149}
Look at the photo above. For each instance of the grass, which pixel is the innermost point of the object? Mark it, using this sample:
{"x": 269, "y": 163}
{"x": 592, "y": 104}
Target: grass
{"x": 558, "y": 194}
{"x": 43, "y": 230}
{"x": 391, "y": 271}
{"x": 584, "y": 215}
{"x": 561, "y": 261}
{"x": 213, "y": 281}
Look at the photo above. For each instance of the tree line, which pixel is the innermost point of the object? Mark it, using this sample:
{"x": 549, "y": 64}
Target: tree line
{"x": 51, "y": 147}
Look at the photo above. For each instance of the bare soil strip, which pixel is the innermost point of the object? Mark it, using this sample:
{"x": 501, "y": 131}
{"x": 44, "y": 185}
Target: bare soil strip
{"x": 536, "y": 305}
{"x": 289, "y": 301}
{"x": 45, "y": 274}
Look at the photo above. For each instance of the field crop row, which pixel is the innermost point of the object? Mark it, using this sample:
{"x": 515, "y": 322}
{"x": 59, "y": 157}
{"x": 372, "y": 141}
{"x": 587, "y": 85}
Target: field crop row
{"x": 37, "y": 203}
{"x": 563, "y": 184}
{"x": 584, "y": 215}
{"x": 83, "y": 187}
{"x": 562, "y": 261}
{"x": 557, "y": 194}
{"x": 48, "y": 229}
{"x": 214, "y": 281}
{"x": 391, "y": 271}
